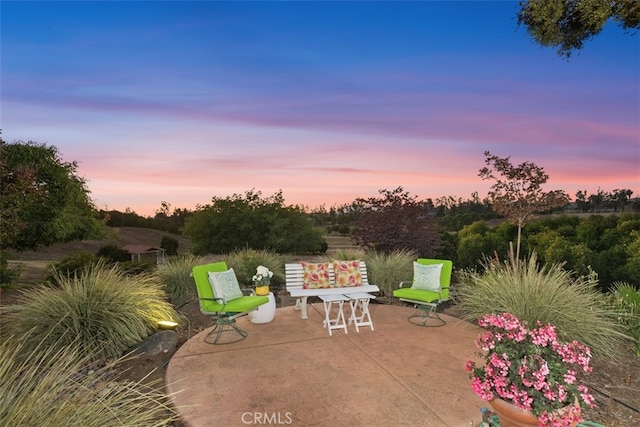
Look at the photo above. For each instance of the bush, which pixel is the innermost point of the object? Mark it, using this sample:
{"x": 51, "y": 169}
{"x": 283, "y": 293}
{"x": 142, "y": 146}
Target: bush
{"x": 387, "y": 270}
{"x": 48, "y": 388}
{"x": 170, "y": 245}
{"x": 72, "y": 264}
{"x": 101, "y": 312}
{"x": 7, "y": 274}
{"x": 175, "y": 275}
{"x": 549, "y": 295}
{"x": 396, "y": 221}
{"x": 114, "y": 253}
{"x": 626, "y": 300}
{"x": 251, "y": 221}
{"x": 244, "y": 263}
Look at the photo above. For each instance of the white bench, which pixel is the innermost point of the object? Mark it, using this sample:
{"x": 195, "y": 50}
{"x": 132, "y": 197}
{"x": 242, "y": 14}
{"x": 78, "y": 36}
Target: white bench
{"x": 294, "y": 274}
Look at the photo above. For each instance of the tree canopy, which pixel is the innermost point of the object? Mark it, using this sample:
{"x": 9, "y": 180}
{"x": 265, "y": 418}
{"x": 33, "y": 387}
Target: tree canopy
{"x": 567, "y": 24}
{"x": 251, "y": 221}
{"x": 517, "y": 191}
{"x": 42, "y": 199}
{"x": 397, "y": 220}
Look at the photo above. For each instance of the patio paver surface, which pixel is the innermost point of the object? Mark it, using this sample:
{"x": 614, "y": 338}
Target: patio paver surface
{"x": 291, "y": 372}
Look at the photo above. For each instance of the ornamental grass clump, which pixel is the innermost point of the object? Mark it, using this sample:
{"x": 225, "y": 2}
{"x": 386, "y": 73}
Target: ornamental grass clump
{"x": 387, "y": 270}
{"x": 102, "y": 312}
{"x": 532, "y": 369}
{"x": 175, "y": 275}
{"x": 244, "y": 263}
{"x": 549, "y": 294}
{"x": 53, "y": 386}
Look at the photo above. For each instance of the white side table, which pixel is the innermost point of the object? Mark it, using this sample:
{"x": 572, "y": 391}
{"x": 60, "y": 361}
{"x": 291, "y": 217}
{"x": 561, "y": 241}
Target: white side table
{"x": 339, "y": 321}
{"x": 363, "y": 318}
{"x": 265, "y": 313}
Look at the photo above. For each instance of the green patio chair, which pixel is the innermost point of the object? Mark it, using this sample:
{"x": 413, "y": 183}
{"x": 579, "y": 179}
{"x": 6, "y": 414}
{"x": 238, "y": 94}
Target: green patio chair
{"x": 430, "y": 287}
{"x": 221, "y": 298}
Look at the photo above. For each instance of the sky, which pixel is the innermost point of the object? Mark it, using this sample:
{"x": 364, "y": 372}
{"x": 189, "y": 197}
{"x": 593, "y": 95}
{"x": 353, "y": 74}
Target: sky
{"x": 182, "y": 101}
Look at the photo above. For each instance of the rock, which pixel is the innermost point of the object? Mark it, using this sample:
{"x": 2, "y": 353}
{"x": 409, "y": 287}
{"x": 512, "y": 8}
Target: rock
{"x": 158, "y": 343}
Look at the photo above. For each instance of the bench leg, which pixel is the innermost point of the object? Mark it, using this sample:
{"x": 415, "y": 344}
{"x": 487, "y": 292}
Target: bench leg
{"x": 303, "y": 307}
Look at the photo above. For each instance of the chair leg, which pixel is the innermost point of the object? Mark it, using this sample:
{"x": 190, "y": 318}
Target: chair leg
{"x": 225, "y": 327}
{"x": 424, "y": 313}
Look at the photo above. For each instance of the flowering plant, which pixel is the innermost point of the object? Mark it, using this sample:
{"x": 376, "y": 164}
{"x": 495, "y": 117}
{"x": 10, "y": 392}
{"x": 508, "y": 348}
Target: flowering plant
{"x": 262, "y": 277}
{"x": 531, "y": 369}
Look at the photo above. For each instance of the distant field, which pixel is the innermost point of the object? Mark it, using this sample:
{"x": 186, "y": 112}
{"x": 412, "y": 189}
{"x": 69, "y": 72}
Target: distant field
{"x": 337, "y": 241}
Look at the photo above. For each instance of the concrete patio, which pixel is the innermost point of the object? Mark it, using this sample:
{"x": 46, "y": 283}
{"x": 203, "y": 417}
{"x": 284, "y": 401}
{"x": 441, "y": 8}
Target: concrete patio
{"x": 291, "y": 372}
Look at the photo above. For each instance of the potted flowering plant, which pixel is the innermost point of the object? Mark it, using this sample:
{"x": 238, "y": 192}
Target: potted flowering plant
{"x": 532, "y": 370}
{"x": 262, "y": 279}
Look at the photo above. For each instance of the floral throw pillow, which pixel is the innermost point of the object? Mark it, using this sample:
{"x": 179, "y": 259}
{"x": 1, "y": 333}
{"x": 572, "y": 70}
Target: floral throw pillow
{"x": 426, "y": 277}
{"x": 225, "y": 285}
{"x": 347, "y": 273}
{"x": 315, "y": 275}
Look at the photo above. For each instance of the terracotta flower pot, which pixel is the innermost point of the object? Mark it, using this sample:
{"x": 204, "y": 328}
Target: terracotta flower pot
{"x": 262, "y": 290}
{"x": 512, "y": 416}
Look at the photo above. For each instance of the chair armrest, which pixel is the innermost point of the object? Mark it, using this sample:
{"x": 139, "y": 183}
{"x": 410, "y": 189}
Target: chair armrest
{"x": 402, "y": 284}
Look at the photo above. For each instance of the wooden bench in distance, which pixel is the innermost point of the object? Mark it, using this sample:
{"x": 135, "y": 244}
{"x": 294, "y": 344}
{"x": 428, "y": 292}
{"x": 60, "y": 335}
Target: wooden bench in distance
{"x": 294, "y": 274}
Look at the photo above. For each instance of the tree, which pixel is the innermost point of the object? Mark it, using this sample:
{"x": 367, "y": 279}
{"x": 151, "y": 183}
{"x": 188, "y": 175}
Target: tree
{"x": 397, "y": 221}
{"x": 567, "y": 24}
{"x": 517, "y": 192}
{"x": 250, "y": 221}
{"x": 42, "y": 200}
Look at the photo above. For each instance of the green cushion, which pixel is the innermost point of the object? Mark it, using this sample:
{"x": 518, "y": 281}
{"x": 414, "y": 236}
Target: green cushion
{"x": 417, "y": 294}
{"x": 238, "y": 305}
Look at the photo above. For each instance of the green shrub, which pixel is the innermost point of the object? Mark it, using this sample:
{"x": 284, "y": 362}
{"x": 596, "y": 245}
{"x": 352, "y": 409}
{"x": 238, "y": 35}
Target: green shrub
{"x": 175, "y": 275}
{"x": 72, "y": 264}
{"x": 114, "y": 253}
{"x": 549, "y": 295}
{"x": 387, "y": 270}
{"x": 170, "y": 245}
{"x": 51, "y": 387}
{"x": 8, "y": 274}
{"x": 626, "y": 300}
{"x": 245, "y": 261}
{"x": 102, "y": 311}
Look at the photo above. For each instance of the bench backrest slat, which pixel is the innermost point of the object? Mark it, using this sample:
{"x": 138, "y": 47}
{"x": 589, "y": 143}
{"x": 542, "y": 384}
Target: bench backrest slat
{"x": 294, "y": 274}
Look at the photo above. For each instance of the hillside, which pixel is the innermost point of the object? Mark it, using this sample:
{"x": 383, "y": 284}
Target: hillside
{"x": 34, "y": 263}
{"x": 122, "y": 236}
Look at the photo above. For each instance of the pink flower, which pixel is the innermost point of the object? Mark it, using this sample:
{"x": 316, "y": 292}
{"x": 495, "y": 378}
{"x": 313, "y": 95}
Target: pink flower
{"x": 531, "y": 369}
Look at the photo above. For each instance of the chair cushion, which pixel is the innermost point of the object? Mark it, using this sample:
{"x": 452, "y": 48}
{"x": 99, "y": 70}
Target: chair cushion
{"x": 426, "y": 277}
{"x": 225, "y": 285}
{"x": 416, "y": 294}
{"x": 245, "y": 303}
{"x": 347, "y": 273}
{"x": 315, "y": 275}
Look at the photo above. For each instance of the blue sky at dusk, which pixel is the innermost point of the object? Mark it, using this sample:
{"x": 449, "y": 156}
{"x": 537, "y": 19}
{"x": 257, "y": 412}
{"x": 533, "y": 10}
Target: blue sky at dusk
{"x": 327, "y": 101}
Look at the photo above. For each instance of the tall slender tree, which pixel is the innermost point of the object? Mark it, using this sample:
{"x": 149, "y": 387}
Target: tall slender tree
{"x": 517, "y": 192}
